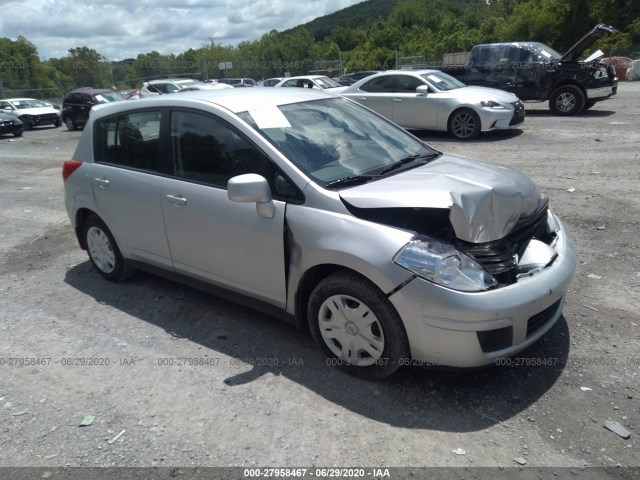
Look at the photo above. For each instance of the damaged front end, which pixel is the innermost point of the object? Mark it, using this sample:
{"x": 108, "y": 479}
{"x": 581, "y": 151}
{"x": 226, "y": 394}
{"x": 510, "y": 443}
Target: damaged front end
{"x": 469, "y": 235}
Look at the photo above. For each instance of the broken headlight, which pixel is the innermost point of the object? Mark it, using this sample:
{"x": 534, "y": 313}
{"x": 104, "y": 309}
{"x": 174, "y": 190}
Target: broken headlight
{"x": 442, "y": 264}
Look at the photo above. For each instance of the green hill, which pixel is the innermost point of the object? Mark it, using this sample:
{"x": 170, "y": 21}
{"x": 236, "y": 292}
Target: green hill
{"x": 360, "y": 15}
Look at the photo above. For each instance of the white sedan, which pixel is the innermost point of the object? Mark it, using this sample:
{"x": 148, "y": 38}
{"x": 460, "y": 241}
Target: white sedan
{"x": 320, "y": 82}
{"x": 433, "y": 100}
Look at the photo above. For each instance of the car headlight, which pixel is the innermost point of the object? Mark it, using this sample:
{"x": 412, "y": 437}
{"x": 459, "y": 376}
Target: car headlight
{"x": 492, "y": 104}
{"x": 442, "y": 264}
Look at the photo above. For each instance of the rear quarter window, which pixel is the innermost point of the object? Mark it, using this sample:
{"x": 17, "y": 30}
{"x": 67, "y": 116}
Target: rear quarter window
{"x": 129, "y": 140}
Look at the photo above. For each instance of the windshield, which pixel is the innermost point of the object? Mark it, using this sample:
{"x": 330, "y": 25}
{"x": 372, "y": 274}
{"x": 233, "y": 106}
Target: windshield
{"x": 326, "y": 82}
{"x": 188, "y": 83}
{"x": 106, "y": 97}
{"x": 442, "y": 81}
{"x": 334, "y": 138}
{"x": 28, "y": 103}
{"x": 541, "y": 53}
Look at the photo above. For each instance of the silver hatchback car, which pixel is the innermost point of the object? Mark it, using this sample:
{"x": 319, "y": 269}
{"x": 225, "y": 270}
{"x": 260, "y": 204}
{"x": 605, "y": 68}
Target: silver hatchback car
{"x": 312, "y": 206}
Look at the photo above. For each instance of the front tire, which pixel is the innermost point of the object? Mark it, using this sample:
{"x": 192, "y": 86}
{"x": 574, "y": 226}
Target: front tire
{"x": 567, "y": 100}
{"x": 26, "y": 124}
{"x": 104, "y": 252}
{"x": 464, "y": 124}
{"x": 356, "y": 326}
{"x": 57, "y": 123}
{"x": 69, "y": 123}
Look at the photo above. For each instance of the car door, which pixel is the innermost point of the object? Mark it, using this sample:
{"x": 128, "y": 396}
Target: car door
{"x": 377, "y": 95}
{"x": 412, "y": 109}
{"x": 212, "y": 238}
{"x": 127, "y": 187}
{"x": 82, "y": 108}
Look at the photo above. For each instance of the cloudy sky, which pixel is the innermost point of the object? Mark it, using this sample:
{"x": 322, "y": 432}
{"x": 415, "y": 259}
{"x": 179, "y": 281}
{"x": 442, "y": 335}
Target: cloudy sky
{"x": 120, "y": 29}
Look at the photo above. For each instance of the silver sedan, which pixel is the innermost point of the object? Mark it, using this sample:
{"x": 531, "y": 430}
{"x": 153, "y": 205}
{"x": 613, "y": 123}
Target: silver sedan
{"x": 433, "y": 100}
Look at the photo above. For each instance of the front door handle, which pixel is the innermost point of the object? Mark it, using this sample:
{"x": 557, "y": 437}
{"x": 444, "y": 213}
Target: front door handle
{"x": 177, "y": 199}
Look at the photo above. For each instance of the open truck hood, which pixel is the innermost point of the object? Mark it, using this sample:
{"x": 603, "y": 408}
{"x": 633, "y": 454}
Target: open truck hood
{"x": 585, "y": 42}
{"x": 485, "y": 201}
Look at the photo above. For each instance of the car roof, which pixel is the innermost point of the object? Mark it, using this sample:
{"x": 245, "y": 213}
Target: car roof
{"x": 396, "y": 72}
{"x": 175, "y": 80}
{"x": 234, "y": 100}
{"x": 90, "y": 90}
{"x": 304, "y": 77}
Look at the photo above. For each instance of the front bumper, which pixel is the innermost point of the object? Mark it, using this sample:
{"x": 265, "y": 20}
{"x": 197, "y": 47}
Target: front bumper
{"x": 492, "y": 119}
{"x": 460, "y": 329}
{"x": 601, "y": 93}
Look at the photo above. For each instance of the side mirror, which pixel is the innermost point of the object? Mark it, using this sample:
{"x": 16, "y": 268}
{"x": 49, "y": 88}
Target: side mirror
{"x": 423, "y": 90}
{"x": 251, "y": 187}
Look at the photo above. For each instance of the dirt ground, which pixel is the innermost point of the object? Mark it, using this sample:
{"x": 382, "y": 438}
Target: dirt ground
{"x": 191, "y": 380}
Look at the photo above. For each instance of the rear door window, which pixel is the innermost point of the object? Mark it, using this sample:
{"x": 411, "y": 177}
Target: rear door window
{"x": 379, "y": 85}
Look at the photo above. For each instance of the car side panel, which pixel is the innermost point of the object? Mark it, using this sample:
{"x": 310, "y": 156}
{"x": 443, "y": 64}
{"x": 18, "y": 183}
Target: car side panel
{"x": 129, "y": 203}
{"x": 411, "y": 110}
{"x": 225, "y": 242}
{"x": 378, "y": 102}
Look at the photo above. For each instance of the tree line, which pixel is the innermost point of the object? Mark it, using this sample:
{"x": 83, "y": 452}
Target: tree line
{"x": 370, "y": 35}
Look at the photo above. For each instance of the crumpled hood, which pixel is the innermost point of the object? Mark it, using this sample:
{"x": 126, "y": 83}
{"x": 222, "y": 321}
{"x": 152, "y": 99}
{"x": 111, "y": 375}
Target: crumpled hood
{"x": 485, "y": 200}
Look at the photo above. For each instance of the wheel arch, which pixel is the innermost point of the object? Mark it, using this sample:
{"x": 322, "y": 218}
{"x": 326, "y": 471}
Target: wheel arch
{"x": 81, "y": 216}
{"x": 563, "y": 83}
{"x": 460, "y": 108}
{"x": 308, "y": 282}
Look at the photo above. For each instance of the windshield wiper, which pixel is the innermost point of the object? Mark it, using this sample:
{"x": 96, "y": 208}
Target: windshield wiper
{"x": 422, "y": 157}
{"x": 350, "y": 181}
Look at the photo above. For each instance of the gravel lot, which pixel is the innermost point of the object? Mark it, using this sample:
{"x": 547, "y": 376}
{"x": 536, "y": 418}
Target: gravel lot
{"x": 266, "y": 397}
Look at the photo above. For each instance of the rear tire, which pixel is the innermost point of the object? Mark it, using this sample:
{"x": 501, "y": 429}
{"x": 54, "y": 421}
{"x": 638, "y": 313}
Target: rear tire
{"x": 567, "y": 100}
{"x": 104, "y": 252}
{"x": 464, "y": 124}
{"x": 356, "y": 326}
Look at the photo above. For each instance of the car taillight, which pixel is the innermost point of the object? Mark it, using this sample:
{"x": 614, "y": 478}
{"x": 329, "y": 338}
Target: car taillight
{"x": 69, "y": 167}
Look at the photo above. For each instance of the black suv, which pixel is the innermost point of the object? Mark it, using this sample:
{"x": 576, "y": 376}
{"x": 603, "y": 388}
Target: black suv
{"x": 77, "y": 104}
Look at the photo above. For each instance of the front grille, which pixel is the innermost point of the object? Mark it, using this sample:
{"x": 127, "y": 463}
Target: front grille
{"x": 536, "y": 322}
{"x": 518, "y": 114}
{"x": 499, "y": 257}
{"x": 47, "y": 117}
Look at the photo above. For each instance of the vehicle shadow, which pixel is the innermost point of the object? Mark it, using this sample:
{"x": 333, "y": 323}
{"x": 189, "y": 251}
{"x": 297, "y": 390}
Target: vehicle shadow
{"x": 594, "y": 113}
{"x": 487, "y": 137}
{"x": 418, "y": 398}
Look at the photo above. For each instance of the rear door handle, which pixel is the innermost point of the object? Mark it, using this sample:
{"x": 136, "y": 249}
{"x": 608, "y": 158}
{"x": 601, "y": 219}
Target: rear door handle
{"x": 102, "y": 182}
{"x": 397, "y": 99}
{"x": 177, "y": 199}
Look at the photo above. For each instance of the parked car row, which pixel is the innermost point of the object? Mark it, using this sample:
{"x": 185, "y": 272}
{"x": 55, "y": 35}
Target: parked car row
{"x": 425, "y": 100}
